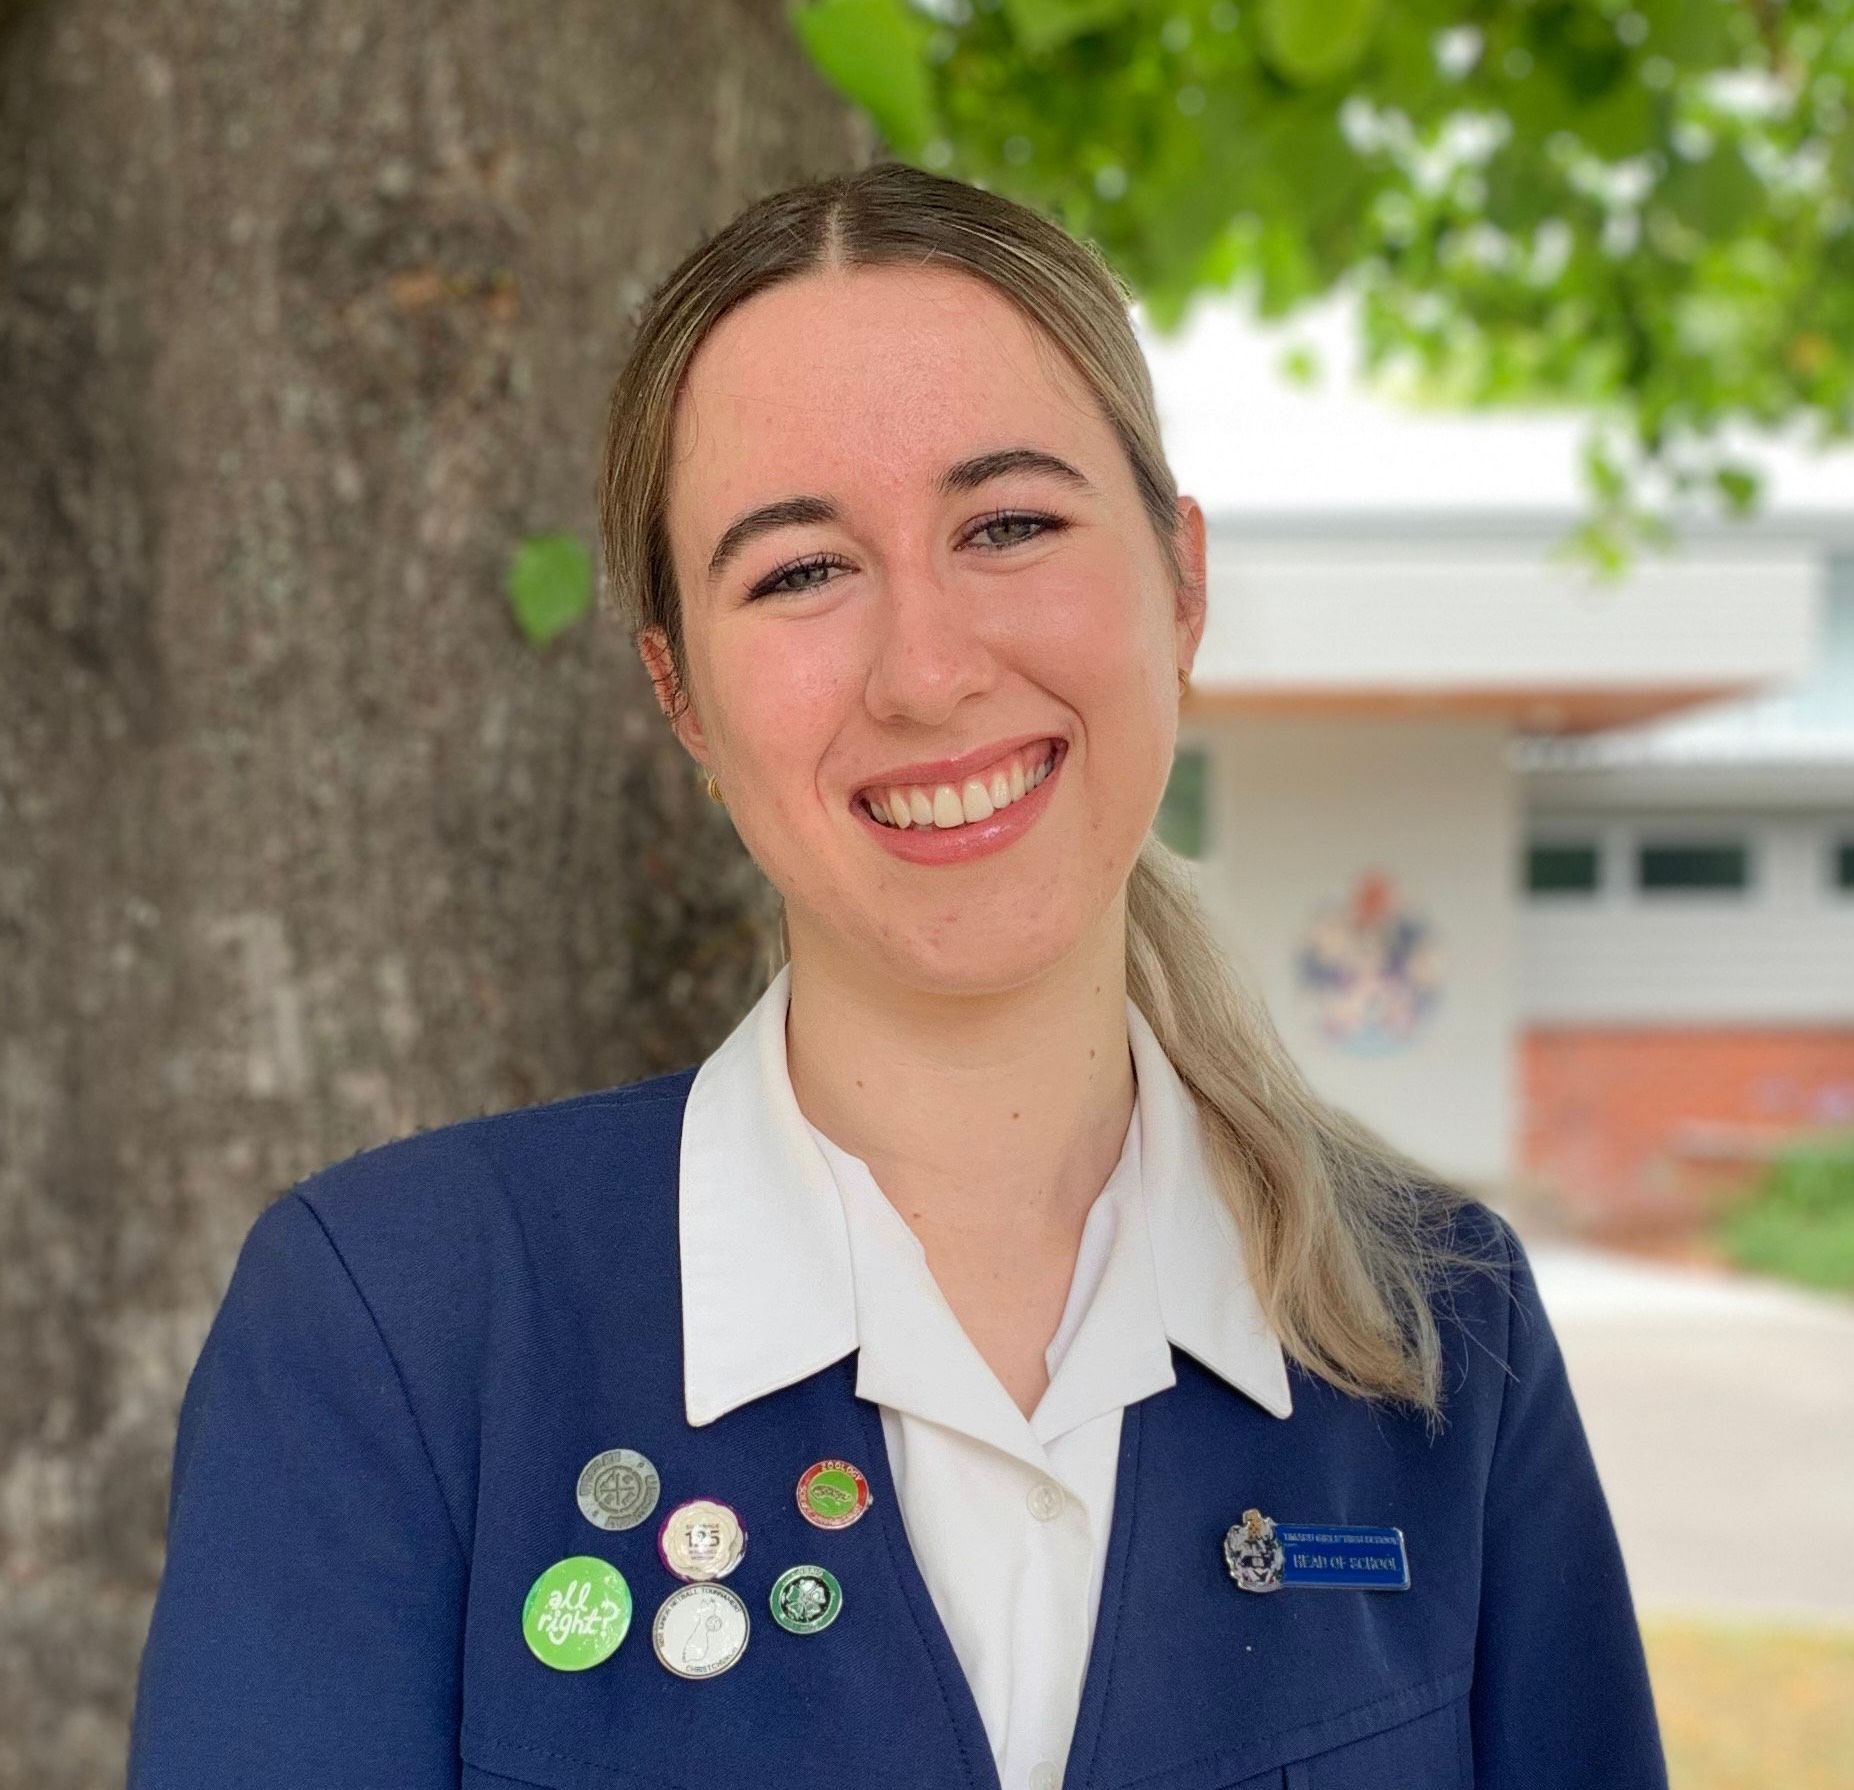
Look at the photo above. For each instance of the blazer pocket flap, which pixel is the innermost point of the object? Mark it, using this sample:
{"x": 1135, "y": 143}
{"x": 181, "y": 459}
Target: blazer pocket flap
{"x": 1412, "y": 1736}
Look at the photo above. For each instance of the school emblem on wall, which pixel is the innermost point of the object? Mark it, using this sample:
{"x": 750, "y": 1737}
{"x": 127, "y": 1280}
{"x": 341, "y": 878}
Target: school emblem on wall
{"x": 1371, "y": 967}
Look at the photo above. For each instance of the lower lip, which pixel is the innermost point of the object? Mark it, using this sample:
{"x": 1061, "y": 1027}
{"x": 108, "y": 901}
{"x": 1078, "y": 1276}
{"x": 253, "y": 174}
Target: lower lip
{"x": 976, "y": 839}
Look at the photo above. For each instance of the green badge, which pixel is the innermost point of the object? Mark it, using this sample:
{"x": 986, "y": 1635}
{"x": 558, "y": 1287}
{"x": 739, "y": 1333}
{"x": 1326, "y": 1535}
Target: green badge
{"x": 577, "y": 1612}
{"x": 806, "y": 1599}
{"x": 832, "y": 1494}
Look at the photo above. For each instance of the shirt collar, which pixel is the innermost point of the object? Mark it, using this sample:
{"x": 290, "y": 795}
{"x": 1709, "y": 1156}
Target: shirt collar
{"x": 768, "y": 1274}
{"x": 767, "y": 1295}
{"x": 1211, "y": 1308}
{"x": 914, "y": 1356}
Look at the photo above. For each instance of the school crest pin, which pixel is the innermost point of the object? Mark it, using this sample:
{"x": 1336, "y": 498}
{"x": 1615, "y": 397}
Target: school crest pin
{"x": 1254, "y": 1557}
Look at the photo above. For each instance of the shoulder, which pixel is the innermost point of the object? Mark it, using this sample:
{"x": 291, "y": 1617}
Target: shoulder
{"x": 1498, "y": 1344}
{"x": 426, "y": 1225}
{"x": 433, "y": 1263}
{"x": 1485, "y": 1265}
{"x": 457, "y": 1181}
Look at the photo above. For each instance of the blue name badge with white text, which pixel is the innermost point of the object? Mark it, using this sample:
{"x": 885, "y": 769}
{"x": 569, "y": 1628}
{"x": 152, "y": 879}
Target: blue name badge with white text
{"x": 1263, "y": 1555}
{"x": 1343, "y": 1558}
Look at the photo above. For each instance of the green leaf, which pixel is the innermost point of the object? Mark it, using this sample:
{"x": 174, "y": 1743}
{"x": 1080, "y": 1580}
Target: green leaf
{"x": 1300, "y": 363}
{"x": 1598, "y": 546}
{"x": 1690, "y": 33}
{"x": 550, "y": 585}
{"x": 1041, "y": 25}
{"x": 1279, "y": 149}
{"x": 1601, "y": 472}
{"x": 875, "y": 53}
{"x": 1312, "y": 41}
{"x": 1738, "y": 485}
{"x": 1716, "y": 196}
{"x": 1617, "y": 121}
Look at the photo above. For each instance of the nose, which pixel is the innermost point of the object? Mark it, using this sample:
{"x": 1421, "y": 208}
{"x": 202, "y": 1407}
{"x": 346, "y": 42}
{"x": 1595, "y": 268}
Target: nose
{"x": 928, "y": 649}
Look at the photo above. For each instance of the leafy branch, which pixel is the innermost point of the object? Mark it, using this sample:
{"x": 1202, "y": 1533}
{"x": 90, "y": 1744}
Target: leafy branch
{"x": 1642, "y": 209}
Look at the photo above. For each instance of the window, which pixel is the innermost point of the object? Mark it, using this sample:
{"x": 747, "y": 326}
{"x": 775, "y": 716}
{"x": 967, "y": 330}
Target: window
{"x": 1563, "y": 867}
{"x": 1180, "y": 820}
{"x": 1706, "y": 864}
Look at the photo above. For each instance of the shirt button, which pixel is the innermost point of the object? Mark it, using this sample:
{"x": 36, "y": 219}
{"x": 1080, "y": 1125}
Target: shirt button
{"x": 1045, "y": 1777}
{"x": 1045, "y": 1501}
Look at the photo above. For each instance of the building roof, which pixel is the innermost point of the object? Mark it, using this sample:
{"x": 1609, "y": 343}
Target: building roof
{"x": 1808, "y": 723}
{"x": 1271, "y": 459}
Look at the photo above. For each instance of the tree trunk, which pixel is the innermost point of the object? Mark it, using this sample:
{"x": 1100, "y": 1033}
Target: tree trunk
{"x": 310, "y": 313}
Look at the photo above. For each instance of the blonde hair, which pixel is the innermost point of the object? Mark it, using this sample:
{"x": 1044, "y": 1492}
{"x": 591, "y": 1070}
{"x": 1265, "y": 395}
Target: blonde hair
{"x": 1345, "y": 1236}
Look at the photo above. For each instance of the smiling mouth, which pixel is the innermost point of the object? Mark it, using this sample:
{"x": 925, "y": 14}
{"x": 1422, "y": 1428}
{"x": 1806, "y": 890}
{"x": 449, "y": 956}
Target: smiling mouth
{"x": 947, "y": 806}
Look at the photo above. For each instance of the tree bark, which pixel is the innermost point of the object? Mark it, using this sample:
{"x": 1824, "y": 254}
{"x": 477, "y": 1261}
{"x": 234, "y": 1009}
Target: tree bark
{"x": 311, "y": 309}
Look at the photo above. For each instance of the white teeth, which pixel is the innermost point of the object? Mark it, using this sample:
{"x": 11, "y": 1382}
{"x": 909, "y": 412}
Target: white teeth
{"x": 945, "y": 806}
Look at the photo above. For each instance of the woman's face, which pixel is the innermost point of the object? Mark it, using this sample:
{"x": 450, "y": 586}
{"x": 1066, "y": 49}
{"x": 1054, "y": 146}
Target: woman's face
{"x": 936, "y": 615}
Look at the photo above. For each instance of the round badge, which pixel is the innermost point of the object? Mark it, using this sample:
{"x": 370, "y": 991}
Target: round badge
{"x": 618, "y": 1489}
{"x": 700, "y": 1630}
{"x": 702, "y": 1538}
{"x": 806, "y": 1599}
{"x": 832, "y": 1494}
{"x": 576, "y": 1613}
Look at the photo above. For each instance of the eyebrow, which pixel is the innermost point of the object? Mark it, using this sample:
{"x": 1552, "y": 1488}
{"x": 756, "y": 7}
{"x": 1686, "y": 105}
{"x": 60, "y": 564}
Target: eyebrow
{"x": 962, "y": 475}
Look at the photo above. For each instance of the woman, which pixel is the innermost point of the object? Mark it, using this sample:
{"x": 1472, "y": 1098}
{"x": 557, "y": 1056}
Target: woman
{"x": 992, "y": 1366}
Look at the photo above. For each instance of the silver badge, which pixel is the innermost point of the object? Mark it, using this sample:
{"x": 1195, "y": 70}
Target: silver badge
{"x": 618, "y": 1489}
{"x": 700, "y": 1630}
{"x": 1253, "y": 1555}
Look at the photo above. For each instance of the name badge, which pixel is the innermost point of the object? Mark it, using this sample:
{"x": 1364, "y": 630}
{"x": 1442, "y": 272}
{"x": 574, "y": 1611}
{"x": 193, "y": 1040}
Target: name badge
{"x": 1263, "y": 1555}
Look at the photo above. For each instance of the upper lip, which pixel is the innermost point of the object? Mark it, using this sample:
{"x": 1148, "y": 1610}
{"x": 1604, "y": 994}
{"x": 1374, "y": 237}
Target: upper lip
{"x": 954, "y": 770}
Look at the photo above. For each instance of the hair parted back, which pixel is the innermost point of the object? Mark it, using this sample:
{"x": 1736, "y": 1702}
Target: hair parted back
{"x": 1347, "y": 1239}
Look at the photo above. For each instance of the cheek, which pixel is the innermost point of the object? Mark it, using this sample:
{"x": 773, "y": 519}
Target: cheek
{"x": 1088, "y": 632}
{"x": 1105, "y": 647}
{"x": 779, "y": 698}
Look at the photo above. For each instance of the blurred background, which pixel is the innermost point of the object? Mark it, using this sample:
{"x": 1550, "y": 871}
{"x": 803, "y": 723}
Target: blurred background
{"x": 1510, "y": 348}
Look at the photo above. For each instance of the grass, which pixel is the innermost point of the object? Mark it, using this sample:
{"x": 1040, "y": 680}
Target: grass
{"x": 1798, "y": 1219}
{"x": 1753, "y": 1706}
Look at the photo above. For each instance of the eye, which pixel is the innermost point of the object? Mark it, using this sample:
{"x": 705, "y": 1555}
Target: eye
{"x": 775, "y": 583}
{"x": 1040, "y": 524}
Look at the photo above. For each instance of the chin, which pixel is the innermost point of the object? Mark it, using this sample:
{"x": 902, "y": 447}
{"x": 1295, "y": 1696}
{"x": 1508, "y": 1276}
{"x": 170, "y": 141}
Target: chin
{"x": 980, "y": 958}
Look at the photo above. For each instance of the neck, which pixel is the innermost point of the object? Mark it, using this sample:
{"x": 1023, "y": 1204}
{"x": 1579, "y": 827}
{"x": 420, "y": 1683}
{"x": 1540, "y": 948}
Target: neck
{"x": 990, "y": 1121}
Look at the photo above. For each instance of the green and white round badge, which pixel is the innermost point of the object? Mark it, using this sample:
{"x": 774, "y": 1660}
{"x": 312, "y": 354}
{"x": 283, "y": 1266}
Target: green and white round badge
{"x": 576, "y": 1613}
{"x": 806, "y": 1599}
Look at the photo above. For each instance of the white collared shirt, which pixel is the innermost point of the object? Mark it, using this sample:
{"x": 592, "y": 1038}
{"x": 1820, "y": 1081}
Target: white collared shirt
{"x": 1007, "y": 1516}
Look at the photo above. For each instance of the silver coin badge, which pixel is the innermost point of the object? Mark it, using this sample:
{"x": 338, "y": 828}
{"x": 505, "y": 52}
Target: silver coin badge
{"x": 702, "y": 1538}
{"x": 700, "y": 1630}
{"x": 1254, "y": 1557}
{"x": 618, "y": 1489}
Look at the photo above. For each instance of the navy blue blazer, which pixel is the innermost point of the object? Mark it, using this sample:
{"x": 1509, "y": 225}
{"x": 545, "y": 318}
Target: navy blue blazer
{"x": 422, "y": 1345}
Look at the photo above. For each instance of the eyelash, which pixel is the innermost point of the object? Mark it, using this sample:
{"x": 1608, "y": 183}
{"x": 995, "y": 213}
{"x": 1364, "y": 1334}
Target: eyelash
{"x": 768, "y": 586}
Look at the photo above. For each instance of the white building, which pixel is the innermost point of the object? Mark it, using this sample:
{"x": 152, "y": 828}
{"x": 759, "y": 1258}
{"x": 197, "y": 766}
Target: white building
{"x": 1543, "y": 876}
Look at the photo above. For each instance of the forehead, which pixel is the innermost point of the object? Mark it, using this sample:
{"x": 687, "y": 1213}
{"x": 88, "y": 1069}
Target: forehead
{"x": 867, "y": 381}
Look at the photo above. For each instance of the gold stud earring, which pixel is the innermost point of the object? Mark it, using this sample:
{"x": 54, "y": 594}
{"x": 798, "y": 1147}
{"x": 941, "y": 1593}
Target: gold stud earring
{"x": 714, "y": 788}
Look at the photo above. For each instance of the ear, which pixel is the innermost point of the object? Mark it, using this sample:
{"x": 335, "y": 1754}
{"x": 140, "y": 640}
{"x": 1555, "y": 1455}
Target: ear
{"x": 1194, "y": 596}
{"x": 653, "y": 649}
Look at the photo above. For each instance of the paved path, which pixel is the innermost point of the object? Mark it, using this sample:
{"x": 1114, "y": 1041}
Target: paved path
{"x": 1720, "y": 1409}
